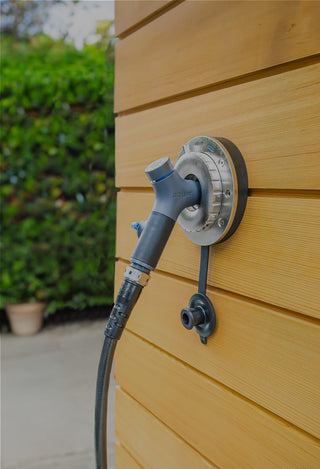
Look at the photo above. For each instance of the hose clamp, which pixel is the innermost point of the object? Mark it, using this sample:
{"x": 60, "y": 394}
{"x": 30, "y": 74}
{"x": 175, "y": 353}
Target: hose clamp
{"x": 136, "y": 276}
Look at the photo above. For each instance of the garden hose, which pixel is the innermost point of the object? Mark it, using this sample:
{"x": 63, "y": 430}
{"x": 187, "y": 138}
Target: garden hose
{"x": 126, "y": 299}
{"x": 104, "y": 370}
{"x": 173, "y": 194}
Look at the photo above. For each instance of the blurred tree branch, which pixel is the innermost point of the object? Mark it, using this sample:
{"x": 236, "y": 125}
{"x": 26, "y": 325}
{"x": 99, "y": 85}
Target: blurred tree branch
{"x": 23, "y": 18}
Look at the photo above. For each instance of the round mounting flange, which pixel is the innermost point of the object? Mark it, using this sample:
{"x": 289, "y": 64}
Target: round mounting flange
{"x": 218, "y": 166}
{"x": 200, "y": 315}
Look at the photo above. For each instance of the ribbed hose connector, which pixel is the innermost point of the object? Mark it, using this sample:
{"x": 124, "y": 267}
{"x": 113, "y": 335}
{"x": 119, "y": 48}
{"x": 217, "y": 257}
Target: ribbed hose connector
{"x": 127, "y": 297}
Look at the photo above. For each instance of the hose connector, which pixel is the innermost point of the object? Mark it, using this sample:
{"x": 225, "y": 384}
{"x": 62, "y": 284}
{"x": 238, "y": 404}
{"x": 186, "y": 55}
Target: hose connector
{"x": 173, "y": 193}
{"x": 136, "y": 276}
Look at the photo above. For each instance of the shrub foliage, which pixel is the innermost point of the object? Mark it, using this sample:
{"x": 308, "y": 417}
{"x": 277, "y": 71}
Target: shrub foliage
{"x": 57, "y": 174}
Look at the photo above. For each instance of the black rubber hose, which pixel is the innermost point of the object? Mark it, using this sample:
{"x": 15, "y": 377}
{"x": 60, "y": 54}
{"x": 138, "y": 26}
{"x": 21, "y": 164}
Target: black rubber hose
{"x": 101, "y": 407}
{"x": 126, "y": 299}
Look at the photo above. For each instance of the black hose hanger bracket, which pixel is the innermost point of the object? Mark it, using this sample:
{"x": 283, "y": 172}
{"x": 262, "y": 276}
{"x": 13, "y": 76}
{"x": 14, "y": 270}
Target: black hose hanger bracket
{"x": 200, "y": 313}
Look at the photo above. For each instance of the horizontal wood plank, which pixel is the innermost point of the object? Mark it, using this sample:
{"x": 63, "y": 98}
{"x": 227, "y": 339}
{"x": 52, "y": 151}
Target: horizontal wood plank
{"x": 197, "y": 44}
{"x": 274, "y": 121}
{"x": 270, "y": 357}
{"x": 150, "y": 441}
{"x": 274, "y": 255}
{"x": 130, "y": 13}
{"x": 229, "y": 430}
{"x": 124, "y": 460}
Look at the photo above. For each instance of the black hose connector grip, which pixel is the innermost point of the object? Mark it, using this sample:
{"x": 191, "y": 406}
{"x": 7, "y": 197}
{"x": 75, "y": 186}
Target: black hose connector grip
{"x": 127, "y": 297}
{"x": 152, "y": 240}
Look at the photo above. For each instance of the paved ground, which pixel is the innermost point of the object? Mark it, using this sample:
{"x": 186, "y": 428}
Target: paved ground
{"x": 48, "y": 389}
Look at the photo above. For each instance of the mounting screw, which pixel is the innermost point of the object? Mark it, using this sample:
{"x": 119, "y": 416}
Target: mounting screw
{"x": 221, "y": 163}
{"x": 227, "y": 193}
{"x": 221, "y": 222}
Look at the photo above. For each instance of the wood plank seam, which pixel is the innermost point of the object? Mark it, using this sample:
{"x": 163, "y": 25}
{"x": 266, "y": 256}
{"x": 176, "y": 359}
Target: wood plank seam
{"x": 229, "y": 83}
{"x": 149, "y": 18}
{"x": 255, "y": 192}
{"x": 248, "y": 299}
{"x": 124, "y": 447}
{"x": 222, "y": 386}
{"x": 177, "y": 435}
{"x": 287, "y": 193}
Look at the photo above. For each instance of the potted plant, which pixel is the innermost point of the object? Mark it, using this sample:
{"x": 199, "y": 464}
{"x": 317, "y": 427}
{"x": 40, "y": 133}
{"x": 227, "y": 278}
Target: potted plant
{"x": 23, "y": 287}
{"x": 25, "y": 318}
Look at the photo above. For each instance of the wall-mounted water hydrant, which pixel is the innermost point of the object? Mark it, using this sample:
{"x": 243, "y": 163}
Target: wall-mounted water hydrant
{"x": 206, "y": 192}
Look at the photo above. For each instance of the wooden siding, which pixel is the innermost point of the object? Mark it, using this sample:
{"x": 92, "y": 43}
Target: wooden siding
{"x": 198, "y": 44}
{"x": 269, "y": 257}
{"x": 139, "y": 429}
{"x": 275, "y": 121}
{"x": 229, "y": 430}
{"x": 130, "y": 14}
{"x": 124, "y": 459}
{"x": 250, "y": 398}
{"x": 236, "y": 357}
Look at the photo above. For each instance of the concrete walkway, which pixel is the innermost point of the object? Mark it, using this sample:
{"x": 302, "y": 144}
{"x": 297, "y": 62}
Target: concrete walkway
{"x": 48, "y": 391}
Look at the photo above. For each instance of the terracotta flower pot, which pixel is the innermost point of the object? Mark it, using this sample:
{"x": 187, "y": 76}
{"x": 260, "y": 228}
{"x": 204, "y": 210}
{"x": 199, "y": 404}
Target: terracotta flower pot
{"x": 25, "y": 318}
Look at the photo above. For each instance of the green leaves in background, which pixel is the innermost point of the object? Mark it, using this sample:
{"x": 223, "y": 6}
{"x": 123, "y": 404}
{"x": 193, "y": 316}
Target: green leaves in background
{"x": 57, "y": 174}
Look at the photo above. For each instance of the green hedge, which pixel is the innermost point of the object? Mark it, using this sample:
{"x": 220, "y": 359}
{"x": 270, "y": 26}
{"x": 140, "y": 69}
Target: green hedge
{"x": 57, "y": 174}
